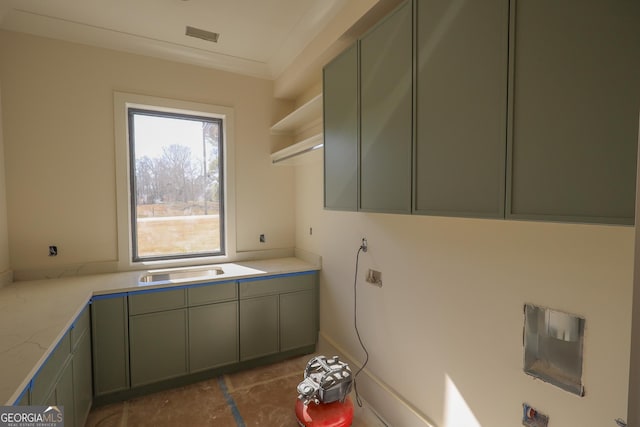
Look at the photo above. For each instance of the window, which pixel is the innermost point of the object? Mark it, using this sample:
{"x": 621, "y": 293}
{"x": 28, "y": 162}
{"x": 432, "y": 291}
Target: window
{"x": 174, "y": 198}
{"x": 176, "y": 185}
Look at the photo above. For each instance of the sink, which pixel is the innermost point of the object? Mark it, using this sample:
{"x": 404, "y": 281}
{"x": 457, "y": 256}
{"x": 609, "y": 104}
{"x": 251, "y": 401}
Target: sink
{"x": 193, "y": 274}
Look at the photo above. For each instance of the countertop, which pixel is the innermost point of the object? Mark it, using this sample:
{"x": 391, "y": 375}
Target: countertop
{"x": 34, "y": 315}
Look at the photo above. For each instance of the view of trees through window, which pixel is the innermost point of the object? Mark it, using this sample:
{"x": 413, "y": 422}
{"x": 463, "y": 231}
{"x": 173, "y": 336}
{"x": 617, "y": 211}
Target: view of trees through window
{"x": 177, "y": 182}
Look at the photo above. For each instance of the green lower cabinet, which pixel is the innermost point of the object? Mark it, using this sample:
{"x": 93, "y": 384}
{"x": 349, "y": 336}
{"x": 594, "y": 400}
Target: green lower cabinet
{"x": 45, "y": 380}
{"x": 25, "y": 400}
{"x": 82, "y": 380}
{"x": 278, "y": 314}
{"x": 213, "y": 336}
{"x": 298, "y": 326}
{"x": 109, "y": 328}
{"x": 158, "y": 346}
{"x": 61, "y": 394}
{"x": 258, "y": 327}
{"x": 65, "y": 379}
{"x": 64, "y": 395}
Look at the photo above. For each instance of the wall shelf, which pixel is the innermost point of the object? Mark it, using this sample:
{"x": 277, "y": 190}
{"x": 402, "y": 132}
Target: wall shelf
{"x": 288, "y": 155}
{"x": 303, "y": 126}
{"x": 300, "y": 118}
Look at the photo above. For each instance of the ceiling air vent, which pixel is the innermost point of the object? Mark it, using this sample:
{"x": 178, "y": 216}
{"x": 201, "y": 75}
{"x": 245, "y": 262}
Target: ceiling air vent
{"x": 202, "y": 34}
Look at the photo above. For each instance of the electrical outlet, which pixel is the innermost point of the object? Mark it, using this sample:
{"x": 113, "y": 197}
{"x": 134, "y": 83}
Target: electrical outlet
{"x": 262, "y": 238}
{"x": 374, "y": 277}
{"x": 532, "y": 418}
{"x": 53, "y": 250}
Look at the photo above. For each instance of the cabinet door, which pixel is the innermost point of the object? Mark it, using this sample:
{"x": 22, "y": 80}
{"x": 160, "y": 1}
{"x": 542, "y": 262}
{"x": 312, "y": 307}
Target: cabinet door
{"x": 258, "y": 327}
{"x": 158, "y": 346}
{"x": 386, "y": 114}
{"x": 45, "y": 380}
{"x": 575, "y": 111}
{"x": 64, "y": 394}
{"x": 461, "y": 107}
{"x": 109, "y": 323}
{"x": 82, "y": 382}
{"x": 340, "y": 103}
{"x": 213, "y": 335}
{"x": 298, "y": 325}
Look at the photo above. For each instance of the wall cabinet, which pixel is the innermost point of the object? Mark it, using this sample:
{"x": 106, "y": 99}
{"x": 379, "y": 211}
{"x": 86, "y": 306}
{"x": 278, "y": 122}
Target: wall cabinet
{"x": 340, "y": 87}
{"x": 461, "y": 109}
{"x": 386, "y": 72}
{"x": 576, "y": 97}
{"x": 110, "y": 334}
{"x": 512, "y": 117}
{"x": 277, "y": 314}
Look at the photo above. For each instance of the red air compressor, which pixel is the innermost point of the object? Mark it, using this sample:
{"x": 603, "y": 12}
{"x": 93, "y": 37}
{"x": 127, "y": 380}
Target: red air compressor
{"x": 323, "y": 399}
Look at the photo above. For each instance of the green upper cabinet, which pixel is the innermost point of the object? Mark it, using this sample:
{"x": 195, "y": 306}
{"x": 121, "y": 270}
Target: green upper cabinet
{"x": 386, "y": 81}
{"x": 576, "y": 97}
{"x": 340, "y": 103}
{"x": 461, "y": 107}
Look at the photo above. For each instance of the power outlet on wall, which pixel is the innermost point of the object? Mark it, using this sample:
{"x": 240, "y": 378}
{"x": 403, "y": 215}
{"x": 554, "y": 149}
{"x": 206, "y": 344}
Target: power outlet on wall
{"x": 53, "y": 250}
{"x": 532, "y": 418}
{"x": 262, "y": 238}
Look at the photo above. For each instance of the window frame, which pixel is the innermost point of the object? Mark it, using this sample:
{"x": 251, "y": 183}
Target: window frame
{"x": 122, "y": 103}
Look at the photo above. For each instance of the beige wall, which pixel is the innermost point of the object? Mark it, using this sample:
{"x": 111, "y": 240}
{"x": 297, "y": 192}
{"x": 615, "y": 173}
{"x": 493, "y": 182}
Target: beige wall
{"x": 59, "y": 145}
{"x": 5, "y": 267}
{"x": 445, "y": 330}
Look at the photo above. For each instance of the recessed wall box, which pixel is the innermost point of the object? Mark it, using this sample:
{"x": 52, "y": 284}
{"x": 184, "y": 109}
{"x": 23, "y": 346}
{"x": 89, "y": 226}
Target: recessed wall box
{"x": 553, "y": 343}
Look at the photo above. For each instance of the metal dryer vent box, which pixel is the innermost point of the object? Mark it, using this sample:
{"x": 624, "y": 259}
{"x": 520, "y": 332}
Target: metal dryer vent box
{"x": 553, "y": 343}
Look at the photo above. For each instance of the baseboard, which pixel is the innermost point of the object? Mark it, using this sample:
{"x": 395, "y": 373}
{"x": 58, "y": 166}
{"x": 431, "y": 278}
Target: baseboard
{"x": 390, "y": 406}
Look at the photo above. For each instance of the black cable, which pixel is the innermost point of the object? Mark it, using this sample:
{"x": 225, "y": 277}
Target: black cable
{"x": 355, "y": 324}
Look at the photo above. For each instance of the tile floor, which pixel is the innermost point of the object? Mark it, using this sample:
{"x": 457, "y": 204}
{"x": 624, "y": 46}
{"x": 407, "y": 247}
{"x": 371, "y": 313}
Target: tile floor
{"x": 264, "y": 396}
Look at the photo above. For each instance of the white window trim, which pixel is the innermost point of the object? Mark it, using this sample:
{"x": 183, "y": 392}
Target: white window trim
{"x": 123, "y": 101}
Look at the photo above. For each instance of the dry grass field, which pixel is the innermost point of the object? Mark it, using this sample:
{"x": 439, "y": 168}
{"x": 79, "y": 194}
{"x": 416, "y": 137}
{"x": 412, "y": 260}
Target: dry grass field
{"x": 159, "y": 236}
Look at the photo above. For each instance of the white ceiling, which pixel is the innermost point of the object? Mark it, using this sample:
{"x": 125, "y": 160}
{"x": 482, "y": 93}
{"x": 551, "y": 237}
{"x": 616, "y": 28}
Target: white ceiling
{"x": 257, "y": 37}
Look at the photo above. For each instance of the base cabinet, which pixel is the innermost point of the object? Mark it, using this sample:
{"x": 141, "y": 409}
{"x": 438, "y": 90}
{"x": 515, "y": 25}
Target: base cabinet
{"x": 148, "y": 339}
{"x": 158, "y": 346}
{"x": 258, "y": 327}
{"x": 65, "y": 378}
{"x": 277, "y": 314}
{"x": 297, "y": 320}
{"x": 213, "y": 336}
{"x": 110, "y": 332}
{"x": 82, "y": 381}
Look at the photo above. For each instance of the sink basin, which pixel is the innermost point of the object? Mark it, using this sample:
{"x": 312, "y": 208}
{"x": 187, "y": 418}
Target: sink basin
{"x": 167, "y": 275}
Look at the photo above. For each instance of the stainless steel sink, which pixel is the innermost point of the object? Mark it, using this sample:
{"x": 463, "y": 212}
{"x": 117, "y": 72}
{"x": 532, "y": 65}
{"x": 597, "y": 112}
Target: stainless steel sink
{"x": 167, "y": 275}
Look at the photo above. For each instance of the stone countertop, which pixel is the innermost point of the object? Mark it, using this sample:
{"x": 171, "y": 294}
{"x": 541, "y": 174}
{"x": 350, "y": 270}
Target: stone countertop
{"x": 35, "y": 315}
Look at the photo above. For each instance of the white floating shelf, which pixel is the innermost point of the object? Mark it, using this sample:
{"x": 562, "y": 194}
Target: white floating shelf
{"x": 299, "y": 118}
{"x": 287, "y": 155}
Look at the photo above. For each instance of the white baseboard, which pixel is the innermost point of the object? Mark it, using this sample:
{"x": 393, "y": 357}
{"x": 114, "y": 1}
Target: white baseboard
{"x": 390, "y": 406}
